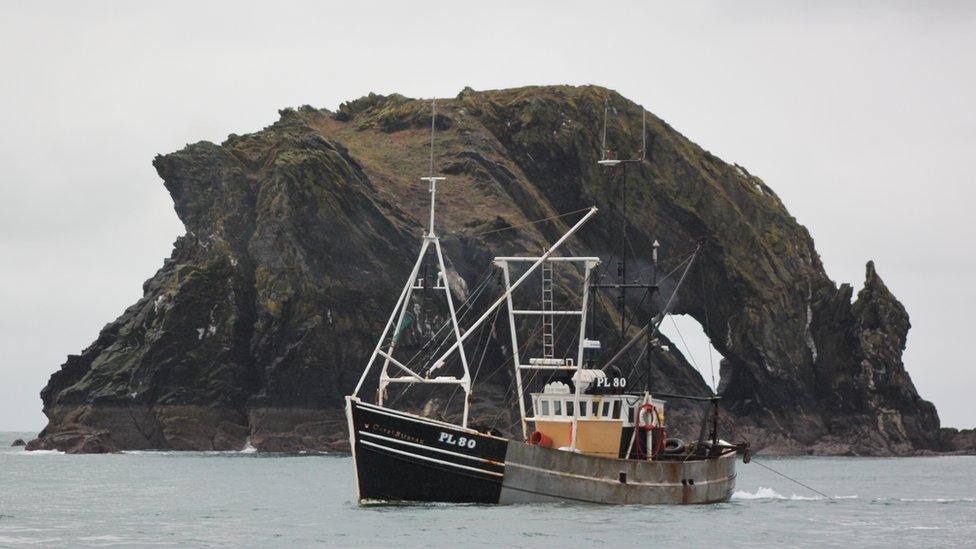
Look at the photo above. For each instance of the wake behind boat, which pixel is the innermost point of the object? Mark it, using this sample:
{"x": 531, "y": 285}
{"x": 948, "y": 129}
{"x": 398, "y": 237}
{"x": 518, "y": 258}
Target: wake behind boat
{"x": 586, "y": 434}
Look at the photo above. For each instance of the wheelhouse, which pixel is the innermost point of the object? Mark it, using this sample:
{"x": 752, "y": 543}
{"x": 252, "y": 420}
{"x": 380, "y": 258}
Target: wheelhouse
{"x": 555, "y": 407}
{"x": 595, "y": 424}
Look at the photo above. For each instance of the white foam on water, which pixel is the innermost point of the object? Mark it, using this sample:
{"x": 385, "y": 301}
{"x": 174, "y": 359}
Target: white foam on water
{"x": 761, "y": 493}
{"x": 248, "y": 447}
{"x": 769, "y": 493}
{"x": 188, "y": 453}
{"x": 937, "y": 500}
{"x": 39, "y": 453}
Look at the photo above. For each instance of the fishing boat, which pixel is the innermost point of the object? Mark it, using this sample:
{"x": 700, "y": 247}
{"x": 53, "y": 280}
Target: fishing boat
{"x": 585, "y": 433}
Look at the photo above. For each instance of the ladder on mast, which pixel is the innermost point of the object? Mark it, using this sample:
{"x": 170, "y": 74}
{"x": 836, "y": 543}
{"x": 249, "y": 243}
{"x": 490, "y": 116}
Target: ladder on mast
{"x": 548, "y": 328}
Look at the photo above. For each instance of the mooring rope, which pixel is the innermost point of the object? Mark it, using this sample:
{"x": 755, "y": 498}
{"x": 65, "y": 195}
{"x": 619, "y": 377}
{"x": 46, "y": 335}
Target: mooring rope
{"x": 791, "y": 479}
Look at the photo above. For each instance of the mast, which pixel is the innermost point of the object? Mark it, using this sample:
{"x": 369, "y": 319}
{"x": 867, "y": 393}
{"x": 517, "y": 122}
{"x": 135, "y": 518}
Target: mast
{"x": 548, "y": 362}
{"x": 617, "y": 169}
{"x": 385, "y": 348}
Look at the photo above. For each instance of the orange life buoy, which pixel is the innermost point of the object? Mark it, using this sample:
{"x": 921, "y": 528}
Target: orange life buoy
{"x": 640, "y": 414}
{"x": 658, "y": 433}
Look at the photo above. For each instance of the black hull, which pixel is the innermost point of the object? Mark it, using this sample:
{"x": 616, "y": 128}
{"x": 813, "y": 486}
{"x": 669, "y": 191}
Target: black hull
{"x": 401, "y": 457}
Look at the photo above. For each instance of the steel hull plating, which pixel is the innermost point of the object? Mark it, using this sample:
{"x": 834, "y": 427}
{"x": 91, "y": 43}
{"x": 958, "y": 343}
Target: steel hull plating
{"x": 402, "y": 457}
{"x": 534, "y": 474}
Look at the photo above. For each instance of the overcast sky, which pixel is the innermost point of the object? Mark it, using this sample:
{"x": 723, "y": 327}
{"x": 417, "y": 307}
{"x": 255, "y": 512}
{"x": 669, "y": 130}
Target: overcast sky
{"x": 860, "y": 116}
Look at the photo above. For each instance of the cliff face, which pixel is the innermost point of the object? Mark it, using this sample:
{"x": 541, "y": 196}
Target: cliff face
{"x": 299, "y": 236}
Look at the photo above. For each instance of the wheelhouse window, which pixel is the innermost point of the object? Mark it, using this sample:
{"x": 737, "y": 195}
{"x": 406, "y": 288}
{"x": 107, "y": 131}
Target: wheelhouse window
{"x": 606, "y": 409}
{"x": 544, "y": 406}
{"x": 616, "y": 409}
{"x": 583, "y": 409}
{"x": 557, "y": 408}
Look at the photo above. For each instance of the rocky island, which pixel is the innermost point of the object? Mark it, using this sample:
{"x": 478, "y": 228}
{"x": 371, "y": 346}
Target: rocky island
{"x": 298, "y": 235}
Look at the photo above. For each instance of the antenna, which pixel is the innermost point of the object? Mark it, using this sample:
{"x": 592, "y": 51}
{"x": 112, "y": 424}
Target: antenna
{"x": 431, "y": 179}
{"x": 606, "y": 158}
{"x": 603, "y": 143}
{"x": 433, "y": 120}
{"x": 643, "y": 134}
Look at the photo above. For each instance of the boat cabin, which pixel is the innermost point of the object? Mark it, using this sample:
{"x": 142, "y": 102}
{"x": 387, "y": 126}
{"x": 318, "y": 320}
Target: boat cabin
{"x": 603, "y": 423}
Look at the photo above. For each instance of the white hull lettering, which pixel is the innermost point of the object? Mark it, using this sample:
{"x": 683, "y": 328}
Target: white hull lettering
{"x": 463, "y": 442}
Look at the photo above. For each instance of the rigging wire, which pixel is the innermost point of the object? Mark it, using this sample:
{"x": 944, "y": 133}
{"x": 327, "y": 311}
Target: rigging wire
{"x": 630, "y": 321}
{"x": 474, "y": 296}
{"x": 560, "y": 329}
{"x": 711, "y": 365}
{"x": 602, "y": 275}
{"x": 510, "y": 398}
{"x": 484, "y": 351}
{"x": 444, "y": 340}
{"x": 468, "y": 306}
{"x": 550, "y": 218}
{"x": 484, "y": 336}
{"x": 507, "y": 399}
{"x": 687, "y": 348}
{"x": 681, "y": 264}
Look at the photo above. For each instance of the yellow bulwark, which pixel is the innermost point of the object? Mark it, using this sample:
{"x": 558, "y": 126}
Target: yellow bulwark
{"x": 599, "y": 437}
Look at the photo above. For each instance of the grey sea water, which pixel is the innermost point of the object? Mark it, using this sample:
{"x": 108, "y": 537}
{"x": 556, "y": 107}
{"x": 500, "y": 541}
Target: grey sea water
{"x": 247, "y": 499}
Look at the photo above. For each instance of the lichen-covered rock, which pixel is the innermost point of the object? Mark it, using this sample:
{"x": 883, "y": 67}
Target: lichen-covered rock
{"x": 299, "y": 236}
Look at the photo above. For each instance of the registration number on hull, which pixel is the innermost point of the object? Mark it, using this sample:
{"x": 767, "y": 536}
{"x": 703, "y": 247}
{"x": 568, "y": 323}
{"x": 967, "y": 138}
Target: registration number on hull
{"x": 463, "y": 442}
